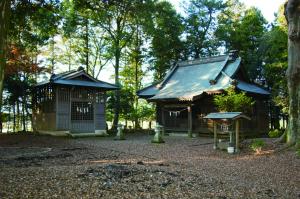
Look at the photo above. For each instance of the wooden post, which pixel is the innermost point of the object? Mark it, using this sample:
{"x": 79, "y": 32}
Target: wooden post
{"x": 237, "y": 135}
{"x": 215, "y": 135}
{"x": 190, "y": 122}
{"x": 163, "y": 120}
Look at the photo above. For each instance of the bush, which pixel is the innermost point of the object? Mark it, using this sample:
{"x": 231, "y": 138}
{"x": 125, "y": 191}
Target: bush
{"x": 275, "y": 133}
{"x": 257, "y": 145}
{"x": 232, "y": 101}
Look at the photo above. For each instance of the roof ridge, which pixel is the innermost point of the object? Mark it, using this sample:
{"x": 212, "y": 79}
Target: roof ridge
{"x": 61, "y": 75}
{"x": 224, "y": 64}
{"x": 168, "y": 76}
{"x": 203, "y": 60}
{"x": 149, "y": 86}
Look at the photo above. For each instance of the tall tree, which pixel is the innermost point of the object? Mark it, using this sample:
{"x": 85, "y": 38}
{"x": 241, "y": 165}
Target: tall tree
{"x": 243, "y": 32}
{"x": 85, "y": 42}
{"x": 116, "y": 19}
{"x": 274, "y": 48}
{"x": 165, "y": 32}
{"x": 19, "y": 79}
{"x": 201, "y": 23}
{"x": 77, "y": 24}
{"x": 32, "y": 24}
{"x": 4, "y": 19}
{"x": 292, "y": 13}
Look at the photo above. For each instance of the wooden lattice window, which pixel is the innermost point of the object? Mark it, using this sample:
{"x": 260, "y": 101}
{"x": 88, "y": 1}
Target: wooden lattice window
{"x": 99, "y": 97}
{"x": 43, "y": 99}
{"x": 63, "y": 95}
{"x": 83, "y": 93}
{"x": 82, "y": 111}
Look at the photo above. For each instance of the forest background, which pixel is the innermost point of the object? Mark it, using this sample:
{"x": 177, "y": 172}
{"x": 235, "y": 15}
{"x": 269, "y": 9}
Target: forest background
{"x": 138, "y": 42}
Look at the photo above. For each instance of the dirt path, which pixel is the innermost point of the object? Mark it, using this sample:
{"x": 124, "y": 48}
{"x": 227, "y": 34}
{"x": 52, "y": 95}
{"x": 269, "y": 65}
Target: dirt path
{"x": 49, "y": 167}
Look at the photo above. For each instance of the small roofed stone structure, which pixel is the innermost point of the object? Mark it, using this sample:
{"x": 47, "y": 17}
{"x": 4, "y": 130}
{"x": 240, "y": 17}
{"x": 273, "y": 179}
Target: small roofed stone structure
{"x": 224, "y": 118}
{"x": 70, "y": 103}
{"x": 185, "y": 96}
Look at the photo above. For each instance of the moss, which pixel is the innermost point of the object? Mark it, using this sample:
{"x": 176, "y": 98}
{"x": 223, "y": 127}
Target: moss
{"x": 257, "y": 145}
{"x": 276, "y": 133}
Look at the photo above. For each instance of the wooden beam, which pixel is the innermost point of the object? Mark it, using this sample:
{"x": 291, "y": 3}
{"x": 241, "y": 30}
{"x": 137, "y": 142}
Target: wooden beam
{"x": 237, "y": 135}
{"x": 190, "y": 121}
{"x": 215, "y": 135}
{"x": 163, "y": 120}
{"x": 177, "y": 105}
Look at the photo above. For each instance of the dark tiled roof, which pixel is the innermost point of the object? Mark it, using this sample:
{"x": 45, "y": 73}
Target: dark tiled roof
{"x": 149, "y": 91}
{"x": 226, "y": 115}
{"x": 190, "y": 79}
{"x": 69, "y": 78}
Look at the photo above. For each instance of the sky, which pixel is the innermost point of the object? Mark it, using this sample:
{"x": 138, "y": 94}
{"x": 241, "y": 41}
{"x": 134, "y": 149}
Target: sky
{"x": 268, "y": 7}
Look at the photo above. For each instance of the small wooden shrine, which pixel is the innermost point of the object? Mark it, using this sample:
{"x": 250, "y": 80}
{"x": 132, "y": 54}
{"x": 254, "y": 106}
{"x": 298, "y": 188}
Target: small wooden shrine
{"x": 70, "y": 103}
{"x": 225, "y": 120}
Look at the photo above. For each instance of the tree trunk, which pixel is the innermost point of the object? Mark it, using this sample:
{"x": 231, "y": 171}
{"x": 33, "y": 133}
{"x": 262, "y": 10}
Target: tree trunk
{"x": 18, "y": 116}
{"x": 4, "y": 19}
{"x": 292, "y": 13}
{"x": 117, "y": 92}
{"x": 52, "y": 48}
{"x": 14, "y": 118}
{"x": 87, "y": 45}
{"x": 137, "y": 62}
{"x": 9, "y": 119}
{"x": 23, "y": 113}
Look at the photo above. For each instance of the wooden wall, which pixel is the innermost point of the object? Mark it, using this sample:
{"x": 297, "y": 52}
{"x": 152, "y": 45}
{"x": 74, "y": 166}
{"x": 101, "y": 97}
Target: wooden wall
{"x": 55, "y": 114}
{"x": 43, "y": 112}
{"x": 63, "y": 108}
{"x": 258, "y": 125}
{"x": 67, "y": 96}
{"x": 100, "y": 119}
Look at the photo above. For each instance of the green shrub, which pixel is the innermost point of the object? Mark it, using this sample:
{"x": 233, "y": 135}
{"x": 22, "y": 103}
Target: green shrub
{"x": 256, "y": 145}
{"x": 275, "y": 133}
{"x": 232, "y": 101}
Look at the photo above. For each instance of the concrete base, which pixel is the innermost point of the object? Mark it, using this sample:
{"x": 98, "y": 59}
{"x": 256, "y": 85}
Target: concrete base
{"x": 223, "y": 145}
{"x": 157, "y": 139}
{"x": 55, "y": 133}
{"x": 97, "y": 133}
{"x": 101, "y": 133}
{"x": 183, "y": 135}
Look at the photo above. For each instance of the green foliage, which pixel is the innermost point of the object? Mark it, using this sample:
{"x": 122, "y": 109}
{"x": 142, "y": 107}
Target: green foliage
{"x": 257, "y": 145}
{"x": 133, "y": 37}
{"x": 274, "y": 46}
{"x": 165, "y": 33}
{"x": 146, "y": 111}
{"x": 276, "y": 133}
{"x": 200, "y": 24}
{"x": 243, "y": 31}
{"x": 232, "y": 101}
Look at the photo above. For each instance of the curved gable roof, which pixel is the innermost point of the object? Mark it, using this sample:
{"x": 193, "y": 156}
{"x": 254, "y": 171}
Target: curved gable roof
{"x": 190, "y": 79}
{"x": 70, "y": 78}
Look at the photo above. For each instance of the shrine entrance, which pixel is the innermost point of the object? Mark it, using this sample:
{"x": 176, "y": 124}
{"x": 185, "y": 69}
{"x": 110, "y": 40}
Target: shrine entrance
{"x": 82, "y": 116}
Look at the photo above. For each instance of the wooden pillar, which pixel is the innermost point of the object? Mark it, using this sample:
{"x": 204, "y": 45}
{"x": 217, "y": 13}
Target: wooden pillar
{"x": 237, "y": 135}
{"x": 190, "y": 122}
{"x": 215, "y": 135}
{"x": 163, "y": 120}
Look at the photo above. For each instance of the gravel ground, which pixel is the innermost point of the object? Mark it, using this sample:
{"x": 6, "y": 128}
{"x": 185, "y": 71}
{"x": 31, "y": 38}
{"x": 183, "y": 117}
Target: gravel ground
{"x": 50, "y": 167}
